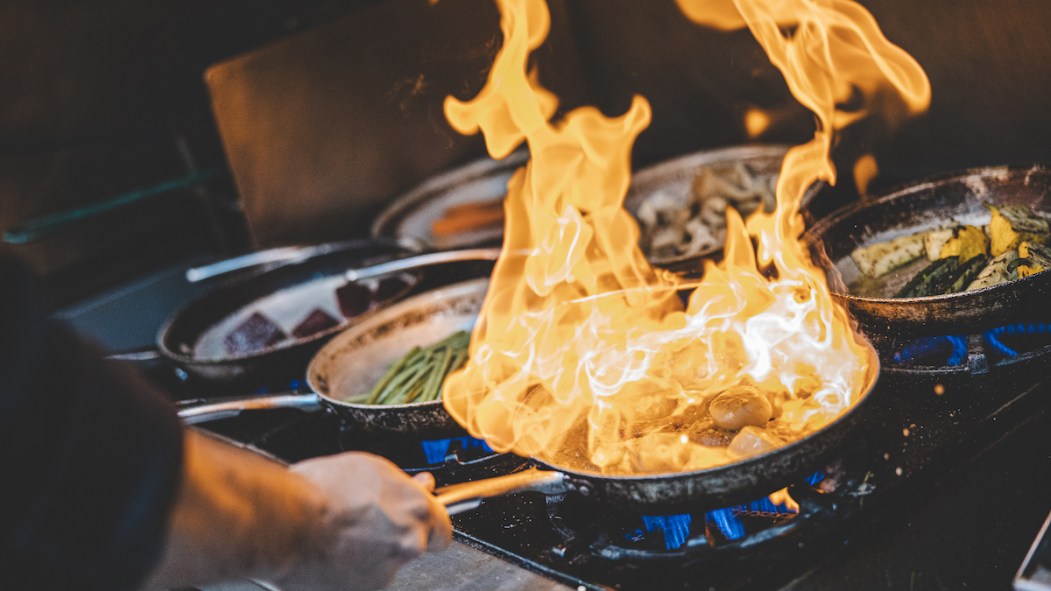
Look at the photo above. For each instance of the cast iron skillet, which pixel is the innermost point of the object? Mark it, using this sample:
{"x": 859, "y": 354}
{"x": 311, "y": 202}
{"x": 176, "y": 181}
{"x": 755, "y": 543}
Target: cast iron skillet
{"x": 339, "y": 369}
{"x": 178, "y": 337}
{"x": 957, "y": 196}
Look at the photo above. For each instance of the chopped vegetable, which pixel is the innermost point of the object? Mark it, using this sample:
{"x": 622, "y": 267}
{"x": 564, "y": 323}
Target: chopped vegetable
{"x": 1032, "y": 259}
{"x": 935, "y": 279}
{"x": 317, "y": 321}
{"x": 1013, "y": 224}
{"x": 969, "y": 271}
{"x": 966, "y": 257}
{"x": 967, "y": 242}
{"x": 995, "y": 272}
{"x": 418, "y": 376}
{"x": 256, "y": 333}
{"x": 877, "y": 259}
{"x": 934, "y": 240}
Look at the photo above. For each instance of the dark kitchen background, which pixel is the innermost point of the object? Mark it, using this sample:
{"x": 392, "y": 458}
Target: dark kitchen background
{"x": 146, "y": 132}
{"x": 329, "y": 107}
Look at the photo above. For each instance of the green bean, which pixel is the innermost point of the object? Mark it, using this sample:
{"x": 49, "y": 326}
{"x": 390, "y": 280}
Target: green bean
{"x": 418, "y": 376}
{"x": 387, "y": 377}
{"x": 407, "y": 374}
{"x": 434, "y": 381}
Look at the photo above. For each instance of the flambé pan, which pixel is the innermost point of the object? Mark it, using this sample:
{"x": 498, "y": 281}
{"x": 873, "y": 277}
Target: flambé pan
{"x": 720, "y": 486}
{"x": 953, "y": 198}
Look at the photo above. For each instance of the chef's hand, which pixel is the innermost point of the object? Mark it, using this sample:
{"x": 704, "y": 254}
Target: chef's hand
{"x": 376, "y": 518}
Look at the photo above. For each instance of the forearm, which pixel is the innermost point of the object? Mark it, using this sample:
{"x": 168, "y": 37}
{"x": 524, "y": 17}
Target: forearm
{"x": 237, "y": 515}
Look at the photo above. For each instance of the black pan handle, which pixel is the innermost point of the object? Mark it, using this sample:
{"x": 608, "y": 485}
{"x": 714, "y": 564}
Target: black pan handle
{"x": 465, "y": 496}
{"x": 193, "y": 412}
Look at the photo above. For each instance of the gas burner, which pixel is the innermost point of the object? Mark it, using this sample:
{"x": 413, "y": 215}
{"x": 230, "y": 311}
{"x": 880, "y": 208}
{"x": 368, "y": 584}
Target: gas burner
{"x": 902, "y": 445}
{"x": 998, "y": 351}
{"x": 592, "y": 532}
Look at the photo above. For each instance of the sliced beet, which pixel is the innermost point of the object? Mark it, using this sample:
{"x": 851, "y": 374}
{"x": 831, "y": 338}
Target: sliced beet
{"x": 354, "y": 299}
{"x": 254, "y": 334}
{"x": 389, "y": 288}
{"x": 316, "y": 322}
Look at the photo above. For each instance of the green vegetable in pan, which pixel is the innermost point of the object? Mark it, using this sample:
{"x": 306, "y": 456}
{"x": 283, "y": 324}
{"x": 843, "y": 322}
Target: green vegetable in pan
{"x": 418, "y": 376}
{"x": 995, "y": 273}
{"x": 947, "y": 275}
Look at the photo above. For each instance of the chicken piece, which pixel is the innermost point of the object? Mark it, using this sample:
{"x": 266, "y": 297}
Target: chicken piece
{"x": 740, "y": 406}
{"x": 753, "y": 441}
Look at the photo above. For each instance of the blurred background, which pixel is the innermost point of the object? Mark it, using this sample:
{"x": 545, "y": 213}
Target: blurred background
{"x": 137, "y": 135}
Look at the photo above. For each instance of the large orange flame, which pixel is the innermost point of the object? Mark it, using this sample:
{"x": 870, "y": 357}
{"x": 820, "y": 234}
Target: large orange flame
{"x": 584, "y": 355}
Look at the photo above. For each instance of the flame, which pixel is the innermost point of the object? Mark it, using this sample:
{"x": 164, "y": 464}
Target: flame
{"x": 756, "y": 122}
{"x": 865, "y": 169}
{"x": 584, "y": 356}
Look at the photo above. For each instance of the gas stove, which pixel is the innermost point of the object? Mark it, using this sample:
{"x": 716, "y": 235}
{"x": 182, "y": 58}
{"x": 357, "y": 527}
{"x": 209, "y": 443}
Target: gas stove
{"x": 941, "y": 486}
{"x": 914, "y": 434}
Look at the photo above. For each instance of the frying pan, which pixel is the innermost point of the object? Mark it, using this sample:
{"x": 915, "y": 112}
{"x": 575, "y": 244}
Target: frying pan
{"x": 353, "y": 360}
{"x": 720, "y": 486}
{"x": 192, "y": 338}
{"x": 959, "y": 197}
{"x": 178, "y": 338}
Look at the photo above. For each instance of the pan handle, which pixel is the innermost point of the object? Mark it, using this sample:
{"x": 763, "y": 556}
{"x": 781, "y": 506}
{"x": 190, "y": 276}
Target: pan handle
{"x": 458, "y": 498}
{"x": 193, "y": 412}
{"x": 429, "y": 259}
{"x": 137, "y": 355}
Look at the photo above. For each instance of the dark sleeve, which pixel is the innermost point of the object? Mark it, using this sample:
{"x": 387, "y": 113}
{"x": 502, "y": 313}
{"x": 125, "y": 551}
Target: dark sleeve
{"x": 91, "y": 456}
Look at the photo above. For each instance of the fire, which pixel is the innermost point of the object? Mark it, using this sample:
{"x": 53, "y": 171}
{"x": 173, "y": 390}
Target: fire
{"x": 584, "y": 355}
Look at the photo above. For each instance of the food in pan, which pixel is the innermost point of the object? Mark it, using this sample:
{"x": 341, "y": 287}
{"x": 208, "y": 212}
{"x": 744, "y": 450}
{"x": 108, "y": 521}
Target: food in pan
{"x": 419, "y": 375}
{"x": 299, "y": 312}
{"x": 671, "y": 229}
{"x": 315, "y": 322}
{"x": 1012, "y": 224}
{"x": 965, "y": 257}
{"x": 257, "y": 332}
{"x": 356, "y": 298}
